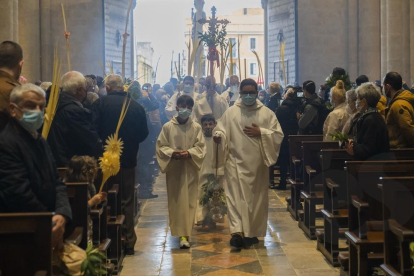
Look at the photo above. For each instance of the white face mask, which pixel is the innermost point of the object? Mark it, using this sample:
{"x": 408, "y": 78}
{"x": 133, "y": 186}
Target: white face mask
{"x": 234, "y": 88}
{"x": 188, "y": 88}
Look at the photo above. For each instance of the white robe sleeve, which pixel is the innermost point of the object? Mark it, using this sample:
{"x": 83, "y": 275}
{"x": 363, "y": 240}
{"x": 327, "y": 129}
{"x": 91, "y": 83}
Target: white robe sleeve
{"x": 220, "y": 131}
{"x": 198, "y": 151}
{"x": 170, "y": 110}
{"x": 271, "y": 139}
{"x": 163, "y": 149}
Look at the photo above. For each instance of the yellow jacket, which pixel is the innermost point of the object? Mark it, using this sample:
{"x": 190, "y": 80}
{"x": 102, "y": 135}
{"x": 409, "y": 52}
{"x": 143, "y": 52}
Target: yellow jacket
{"x": 400, "y": 120}
{"x": 382, "y": 106}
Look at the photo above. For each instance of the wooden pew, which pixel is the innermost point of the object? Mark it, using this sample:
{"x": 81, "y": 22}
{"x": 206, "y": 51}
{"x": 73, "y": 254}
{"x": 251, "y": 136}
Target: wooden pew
{"x": 312, "y": 185}
{"x": 398, "y": 202}
{"x": 335, "y": 210}
{"x": 365, "y": 234}
{"x": 26, "y": 244}
{"x": 296, "y": 172}
{"x": 78, "y": 200}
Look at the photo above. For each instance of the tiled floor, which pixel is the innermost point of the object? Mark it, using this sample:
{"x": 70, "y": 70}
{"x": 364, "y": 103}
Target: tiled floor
{"x": 284, "y": 251}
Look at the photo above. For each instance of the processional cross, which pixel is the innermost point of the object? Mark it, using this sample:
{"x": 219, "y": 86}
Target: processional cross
{"x": 213, "y": 40}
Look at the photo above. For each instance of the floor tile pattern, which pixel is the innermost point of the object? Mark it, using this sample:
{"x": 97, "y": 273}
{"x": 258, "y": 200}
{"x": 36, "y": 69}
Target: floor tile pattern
{"x": 284, "y": 251}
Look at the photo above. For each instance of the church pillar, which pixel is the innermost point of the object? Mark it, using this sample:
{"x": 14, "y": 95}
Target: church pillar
{"x": 29, "y": 38}
{"x": 8, "y": 21}
{"x": 352, "y": 66}
{"x": 46, "y": 44}
{"x": 384, "y": 38}
{"x": 369, "y": 39}
{"x": 406, "y": 72}
{"x": 412, "y": 42}
{"x": 395, "y": 32}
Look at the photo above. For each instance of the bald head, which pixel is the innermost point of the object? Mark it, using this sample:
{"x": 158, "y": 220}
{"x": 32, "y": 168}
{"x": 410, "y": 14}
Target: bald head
{"x": 114, "y": 83}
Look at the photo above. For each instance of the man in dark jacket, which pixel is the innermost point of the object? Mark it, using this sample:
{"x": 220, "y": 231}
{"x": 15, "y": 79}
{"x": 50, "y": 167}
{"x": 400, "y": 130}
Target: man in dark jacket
{"x": 309, "y": 117}
{"x": 11, "y": 62}
{"x": 28, "y": 177}
{"x": 133, "y": 131}
{"x": 72, "y": 132}
{"x": 275, "y": 96}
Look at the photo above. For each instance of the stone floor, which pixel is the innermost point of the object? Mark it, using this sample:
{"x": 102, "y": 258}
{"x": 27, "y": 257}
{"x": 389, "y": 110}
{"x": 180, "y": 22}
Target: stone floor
{"x": 284, "y": 251}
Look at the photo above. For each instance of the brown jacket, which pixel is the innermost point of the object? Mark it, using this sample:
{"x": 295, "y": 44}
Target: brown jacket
{"x": 400, "y": 120}
{"x": 7, "y": 83}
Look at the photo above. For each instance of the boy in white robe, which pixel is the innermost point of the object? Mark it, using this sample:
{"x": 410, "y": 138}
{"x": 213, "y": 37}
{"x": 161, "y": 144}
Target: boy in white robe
{"x": 252, "y": 135}
{"x": 180, "y": 152}
{"x": 212, "y": 103}
{"x": 209, "y": 167}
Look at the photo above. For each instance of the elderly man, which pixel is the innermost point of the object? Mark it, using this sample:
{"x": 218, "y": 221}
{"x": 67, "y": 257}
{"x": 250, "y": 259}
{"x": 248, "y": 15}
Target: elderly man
{"x": 72, "y": 132}
{"x": 132, "y": 132}
{"x": 212, "y": 103}
{"x": 28, "y": 175}
{"x": 232, "y": 93}
{"x": 11, "y": 62}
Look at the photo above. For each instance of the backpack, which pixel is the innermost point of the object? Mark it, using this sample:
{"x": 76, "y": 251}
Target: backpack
{"x": 323, "y": 113}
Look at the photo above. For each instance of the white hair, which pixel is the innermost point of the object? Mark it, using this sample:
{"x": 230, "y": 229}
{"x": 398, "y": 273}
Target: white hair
{"x": 115, "y": 82}
{"x": 370, "y": 92}
{"x": 71, "y": 81}
{"x": 17, "y": 93}
{"x": 45, "y": 85}
{"x": 351, "y": 95}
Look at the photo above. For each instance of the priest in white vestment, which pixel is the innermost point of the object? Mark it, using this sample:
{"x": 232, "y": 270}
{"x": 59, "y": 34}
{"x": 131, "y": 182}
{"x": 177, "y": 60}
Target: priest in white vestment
{"x": 180, "y": 152}
{"x": 187, "y": 89}
{"x": 231, "y": 95}
{"x": 212, "y": 103}
{"x": 252, "y": 135}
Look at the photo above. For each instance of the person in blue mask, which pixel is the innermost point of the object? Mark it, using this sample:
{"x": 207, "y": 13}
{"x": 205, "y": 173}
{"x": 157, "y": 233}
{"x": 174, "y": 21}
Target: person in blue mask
{"x": 180, "y": 152}
{"x": 28, "y": 175}
{"x": 252, "y": 135}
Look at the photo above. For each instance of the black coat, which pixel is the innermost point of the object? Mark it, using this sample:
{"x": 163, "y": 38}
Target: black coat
{"x": 29, "y": 181}
{"x": 273, "y": 102}
{"x": 133, "y": 130}
{"x": 72, "y": 132}
{"x": 372, "y": 137}
{"x": 286, "y": 115}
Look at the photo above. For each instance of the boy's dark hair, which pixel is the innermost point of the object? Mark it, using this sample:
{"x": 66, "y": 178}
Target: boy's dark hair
{"x": 247, "y": 82}
{"x": 208, "y": 118}
{"x": 185, "y": 99}
{"x": 99, "y": 81}
{"x": 10, "y": 54}
{"x": 361, "y": 79}
{"x": 394, "y": 79}
{"x": 309, "y": 86}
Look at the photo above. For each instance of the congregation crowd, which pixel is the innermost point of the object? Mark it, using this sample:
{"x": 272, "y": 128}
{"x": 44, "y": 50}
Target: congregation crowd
{"x": 236, "y": 132}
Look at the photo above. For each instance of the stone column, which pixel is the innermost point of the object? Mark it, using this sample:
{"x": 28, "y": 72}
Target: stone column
{"x": 8, "y": 23}
{"x": 395, "y": 32}
{"x": 266, "y": 42}
{"x": 353, "y": 22}
{"x": 412, "y": 41}
{"x": 29, "y": 38}
{"x": 46, "y": 45}
{"x": 369, "y": 39}
{"x": 384, "y": 38}
{"x": 200, "y": 14}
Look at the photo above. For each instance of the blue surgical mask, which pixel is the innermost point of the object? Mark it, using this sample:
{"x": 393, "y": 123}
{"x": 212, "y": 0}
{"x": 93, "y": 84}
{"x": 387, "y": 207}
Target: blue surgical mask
{"x": 184, "y": 113}
{"x": 248, "y": 99}
{"x": 234, "y": 89}
{"x": 32, "y": 119}
{"x": 188, "y": 88}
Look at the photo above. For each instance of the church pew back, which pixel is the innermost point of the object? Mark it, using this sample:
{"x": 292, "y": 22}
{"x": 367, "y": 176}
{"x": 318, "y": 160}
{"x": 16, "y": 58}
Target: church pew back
{"x": 25, "y": 243}
{"x": 398, "y": 202}
{"x": 295, "y": 151}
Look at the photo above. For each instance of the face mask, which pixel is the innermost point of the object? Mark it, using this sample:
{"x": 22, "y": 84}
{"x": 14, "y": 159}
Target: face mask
{"x": 208, "y": 132}
{"x": 248, "y": 99}
{"x": 359, "y": 108}
{"x": 188, "y": 88}
{"x": 32, "y": 119}
{"x": 184, "y": 113}
{"x": 234, "y": 88}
